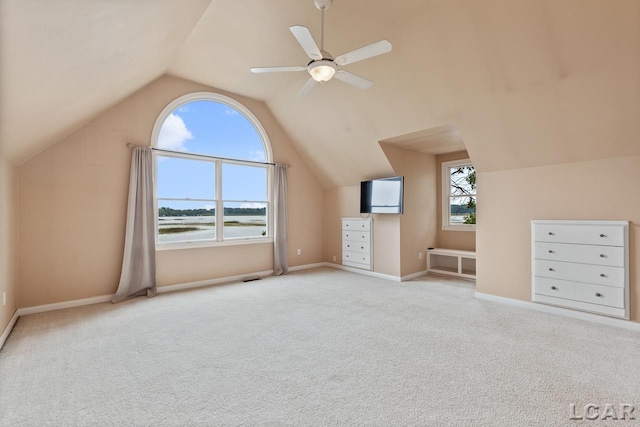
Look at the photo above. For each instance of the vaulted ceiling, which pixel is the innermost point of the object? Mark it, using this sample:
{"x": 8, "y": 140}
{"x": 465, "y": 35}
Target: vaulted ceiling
{"x": 518, "y": 83}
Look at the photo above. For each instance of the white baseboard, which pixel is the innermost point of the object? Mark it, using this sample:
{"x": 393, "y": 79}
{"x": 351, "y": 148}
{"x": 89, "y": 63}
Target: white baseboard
{"x": 63, "y": 305}
{"x": 228, "y": 279}
{"x": 365, "y": 272}
{"x": 209, "y": 282}
{"x": 413, "y": 276}
{"x": 161, "y": 289}
{"x": 8, "y": 329}
{"x": 378, "y": 275}
{"x": 308, "y": 266}
{"x": 604, "y": 320}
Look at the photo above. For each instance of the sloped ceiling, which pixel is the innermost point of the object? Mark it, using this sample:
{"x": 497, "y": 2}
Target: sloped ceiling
{"x": 64, "y": 61}
{"x": 524, "y": 83}
{"x": 527, "y": 82}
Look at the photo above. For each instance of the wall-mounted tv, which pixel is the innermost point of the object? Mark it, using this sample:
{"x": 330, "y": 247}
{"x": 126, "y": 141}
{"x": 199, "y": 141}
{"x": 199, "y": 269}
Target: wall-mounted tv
{"x": 382, "y": 196}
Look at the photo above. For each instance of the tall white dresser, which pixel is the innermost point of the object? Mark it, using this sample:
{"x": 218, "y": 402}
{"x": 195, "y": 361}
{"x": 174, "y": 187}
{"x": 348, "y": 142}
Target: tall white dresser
{"x": 583, "y": 265}
{"x": 357, "y": 243}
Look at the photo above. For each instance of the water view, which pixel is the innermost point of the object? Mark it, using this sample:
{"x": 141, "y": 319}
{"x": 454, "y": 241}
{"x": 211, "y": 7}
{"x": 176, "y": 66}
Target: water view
{"x": 190, "y": 228}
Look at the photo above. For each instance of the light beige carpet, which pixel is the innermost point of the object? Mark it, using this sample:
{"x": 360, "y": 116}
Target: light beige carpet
{"x": 314, "y": 348}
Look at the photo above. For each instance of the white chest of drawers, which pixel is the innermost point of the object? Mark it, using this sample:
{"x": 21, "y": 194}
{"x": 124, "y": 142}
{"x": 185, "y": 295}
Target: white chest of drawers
{"x": 583, "y": 265}
{"x": 357, "y": 243}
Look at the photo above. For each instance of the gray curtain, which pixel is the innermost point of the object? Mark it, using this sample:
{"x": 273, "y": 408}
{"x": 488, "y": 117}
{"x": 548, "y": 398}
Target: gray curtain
{"x": 139, "y": 262}
{"x": 280, "y": 265}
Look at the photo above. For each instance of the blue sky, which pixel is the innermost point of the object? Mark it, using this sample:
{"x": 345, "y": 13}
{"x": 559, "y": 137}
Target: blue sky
{"x": 207, "y": 127}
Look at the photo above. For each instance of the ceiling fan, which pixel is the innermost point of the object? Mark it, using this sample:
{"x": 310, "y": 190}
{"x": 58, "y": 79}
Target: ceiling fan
{"x": 323, "y": 67}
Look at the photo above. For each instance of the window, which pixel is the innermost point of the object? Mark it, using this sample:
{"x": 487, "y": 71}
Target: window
{"x": 212, "y": 181}
{"x": 458, "y": 195}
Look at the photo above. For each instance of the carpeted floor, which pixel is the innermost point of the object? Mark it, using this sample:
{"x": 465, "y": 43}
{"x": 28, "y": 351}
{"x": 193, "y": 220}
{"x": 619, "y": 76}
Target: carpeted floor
{"x": 313, "y": 348}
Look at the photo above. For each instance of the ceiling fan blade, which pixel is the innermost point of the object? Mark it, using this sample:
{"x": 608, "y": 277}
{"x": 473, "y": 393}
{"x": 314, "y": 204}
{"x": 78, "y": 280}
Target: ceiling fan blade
{"x": 374, "y": 49}
{"x": 304, "y": 37}
{"x": 308, "y": 87}
{"x": 352, "y": 79}
{"x": 277, "y": 69}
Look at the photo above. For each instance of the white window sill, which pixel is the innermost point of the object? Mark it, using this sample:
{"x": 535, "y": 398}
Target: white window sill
{"x": 210, "y": 244}
{"x": 459, "y": 228}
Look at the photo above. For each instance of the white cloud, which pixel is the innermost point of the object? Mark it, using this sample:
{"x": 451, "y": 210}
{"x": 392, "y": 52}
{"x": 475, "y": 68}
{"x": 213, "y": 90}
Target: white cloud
{"x": 257, "y": 156}
{"x": 174, "y": 133}
{"x": 184, "y": 109}
{"x": 231, "y": 112}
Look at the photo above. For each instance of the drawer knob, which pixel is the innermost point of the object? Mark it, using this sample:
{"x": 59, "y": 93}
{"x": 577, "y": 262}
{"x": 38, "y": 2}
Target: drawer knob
{"x": 603, "y": 275}
{"x": 551, "y": 269}
{"x": 550, "y": 233}
{"x": 554, "y": 288}
{"x": 347, "y": 225}
{"x": 598, "y": 294}
{"x": 361, "y": 247}
{"x": 550, "y": 251}
{"x": 602, "y": 235}
{"x": 603, "y": 256}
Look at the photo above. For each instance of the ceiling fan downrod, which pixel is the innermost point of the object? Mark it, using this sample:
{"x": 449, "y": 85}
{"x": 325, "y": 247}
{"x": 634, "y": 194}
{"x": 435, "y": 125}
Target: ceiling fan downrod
{"x": 322, "y": 5}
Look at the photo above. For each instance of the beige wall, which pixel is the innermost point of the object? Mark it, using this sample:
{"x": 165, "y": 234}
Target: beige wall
{"x": 462, "y": 240}
{"x": 418, "y": 222}
{"x": 8, "y": 234}
{"x": 593, "y": 190}
{"x": 72, "y": 204}
{"x": 345, "y": 202}
{"x": 397, "y": 239}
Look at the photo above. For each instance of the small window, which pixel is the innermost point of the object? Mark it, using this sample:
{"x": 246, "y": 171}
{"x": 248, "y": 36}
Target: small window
{"x": 458, "y": 195}
{"x": 212, "y": 179}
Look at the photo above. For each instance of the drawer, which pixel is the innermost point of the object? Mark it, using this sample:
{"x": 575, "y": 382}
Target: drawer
{"x": 356, "y": 236}
{"x": 356, "y": 225}
{"x": 362, "y": 247}
{"x": 596, "y": 274}
{"x": 603, "y": 235}
{"x": 603, "y": 295}
{"x": 356, "y": 257}
{"x": 554, "y": 288}
{"x": 586, "y": 254}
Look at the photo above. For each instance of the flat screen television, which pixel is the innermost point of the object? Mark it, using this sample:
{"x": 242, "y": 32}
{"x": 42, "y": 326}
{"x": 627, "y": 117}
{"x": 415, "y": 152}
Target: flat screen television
{"x": 382, "y": 196}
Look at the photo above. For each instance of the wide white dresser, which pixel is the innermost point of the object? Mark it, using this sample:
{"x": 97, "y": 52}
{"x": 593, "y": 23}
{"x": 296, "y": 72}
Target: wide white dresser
{"x": 357, "y": 243}
{"x": 583, "y": 265}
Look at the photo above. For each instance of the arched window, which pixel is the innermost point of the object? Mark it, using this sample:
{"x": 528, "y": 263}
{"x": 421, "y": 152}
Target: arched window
{"x": 212, "y": 173}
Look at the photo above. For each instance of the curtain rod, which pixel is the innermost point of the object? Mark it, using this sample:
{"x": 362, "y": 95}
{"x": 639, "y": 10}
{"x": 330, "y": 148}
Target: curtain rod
{"x": 206, "y": 156}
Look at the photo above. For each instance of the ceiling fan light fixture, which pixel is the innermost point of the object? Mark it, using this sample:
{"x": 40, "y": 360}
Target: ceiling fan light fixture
{"x": 323, "y": 70}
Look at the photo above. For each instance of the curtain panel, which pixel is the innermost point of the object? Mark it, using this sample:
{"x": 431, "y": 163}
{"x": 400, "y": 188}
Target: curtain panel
{"x": 280, "y": 263}
{"x": 138, "y": 275}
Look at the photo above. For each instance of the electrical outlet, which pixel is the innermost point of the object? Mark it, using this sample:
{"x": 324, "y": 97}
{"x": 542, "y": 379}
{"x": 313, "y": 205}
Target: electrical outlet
{"x": 334, "y": 257}
{"x": 4, "y": 298}
{"x": 419, "y": 255}
{"x": 299, "y": 251}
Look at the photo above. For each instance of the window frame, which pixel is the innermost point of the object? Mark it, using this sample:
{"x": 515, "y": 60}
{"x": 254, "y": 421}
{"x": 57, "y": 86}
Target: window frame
{"x": 218, "y": 163}
{"x": 446, "y": 196}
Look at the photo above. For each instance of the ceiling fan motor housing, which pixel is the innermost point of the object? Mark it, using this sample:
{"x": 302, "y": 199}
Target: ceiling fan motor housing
{"x": 322, "y": 4}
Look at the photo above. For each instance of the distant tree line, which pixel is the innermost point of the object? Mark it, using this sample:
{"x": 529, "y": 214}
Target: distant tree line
{"x": 164, "y": 211}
